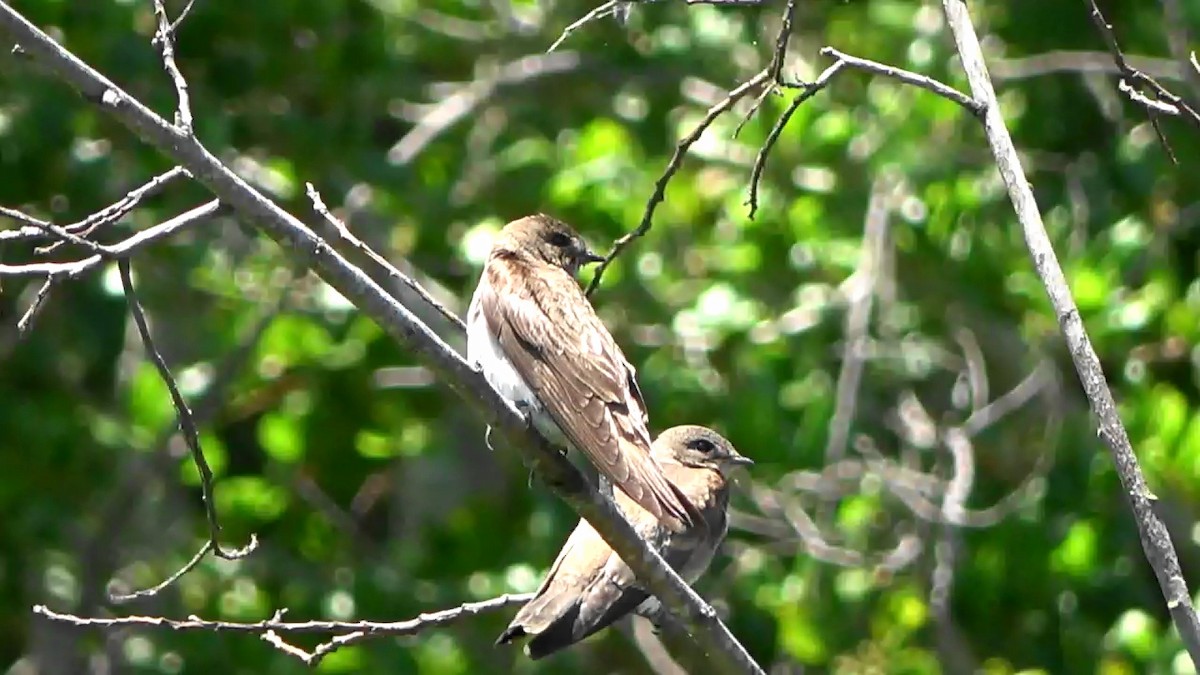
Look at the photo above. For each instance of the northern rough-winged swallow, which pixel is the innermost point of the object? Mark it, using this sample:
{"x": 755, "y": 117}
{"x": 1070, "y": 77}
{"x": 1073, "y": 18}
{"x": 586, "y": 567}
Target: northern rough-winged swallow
{"x": 589, "y": 587}
{"x": 540, "y": 344}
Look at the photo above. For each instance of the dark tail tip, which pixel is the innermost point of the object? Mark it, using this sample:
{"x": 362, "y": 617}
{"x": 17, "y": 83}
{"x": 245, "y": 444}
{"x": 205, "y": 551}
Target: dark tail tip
{"x": 536, "y": 648}
{"x": 511, "y": 633}
{"x": 540, "y": 647}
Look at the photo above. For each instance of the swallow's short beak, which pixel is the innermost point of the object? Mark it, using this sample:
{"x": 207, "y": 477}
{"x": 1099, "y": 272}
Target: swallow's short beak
{"x": 590, "y": 257}
{"x": 741, "y": 460}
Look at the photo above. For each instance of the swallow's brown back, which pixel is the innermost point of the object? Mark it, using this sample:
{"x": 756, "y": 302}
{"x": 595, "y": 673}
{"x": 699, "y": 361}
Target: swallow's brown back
{"x": 552, "y": 336}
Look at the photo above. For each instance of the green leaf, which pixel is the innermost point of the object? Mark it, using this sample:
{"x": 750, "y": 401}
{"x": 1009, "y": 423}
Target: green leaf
{"x": 601, "y": 139}
{"x": 1136, "y": 632}
{"x": 282, "y": 436}
{"x": 250, "y": 497}
{"x": 291, "y": 340}
{"x": 440, "y": 653}
{"x": 149, "y": 400}
{"x": 1090, "y": 288}
{"x": 349, "y": 659}
{"x": 799, "y": 634}
{"x": 1170, "y": 414}
{"x": 1076, "y": 555}
{"x": 1188, "y": 457}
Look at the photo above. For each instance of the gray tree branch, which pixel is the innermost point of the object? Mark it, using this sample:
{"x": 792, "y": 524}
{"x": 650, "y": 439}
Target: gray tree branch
{"x": 1156, "y": 541}
{"x": 343, "y": 632}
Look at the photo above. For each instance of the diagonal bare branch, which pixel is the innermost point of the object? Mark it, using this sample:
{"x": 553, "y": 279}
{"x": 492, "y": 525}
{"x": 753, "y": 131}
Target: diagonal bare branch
{"x": 1156, "y": 540}
{"x": 676, "y": 161}
{"x": 187, "y": 426}
{"x": 610, "y": 8}
{"x": 389, "y": 270}
{"x": 808, "y": 91}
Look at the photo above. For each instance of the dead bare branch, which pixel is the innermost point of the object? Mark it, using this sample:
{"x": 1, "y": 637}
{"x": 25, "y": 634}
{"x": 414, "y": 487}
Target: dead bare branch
{"x": 187, "y": 426}
{"x": 1156, "y": 540}
{"x": 122, "y": 598}
{"x": 344, "y": 632}
{"x": 70, "y": 270}
{"x": 808, "y": 91}
{"x": 609, "y": 8}
{"x": 388, "y": 269}
{"x": 907, "y": 77}
{"x": 676, "y": 161}
{"x": 1134, "y": 81}
{"x": 166, "y": 44}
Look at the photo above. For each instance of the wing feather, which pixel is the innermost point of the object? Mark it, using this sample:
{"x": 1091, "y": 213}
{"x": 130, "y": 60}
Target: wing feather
{"x": 554, "y": 339}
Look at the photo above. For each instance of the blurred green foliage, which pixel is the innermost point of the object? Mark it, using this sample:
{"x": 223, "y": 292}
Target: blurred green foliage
{"x": 370, "y": 486}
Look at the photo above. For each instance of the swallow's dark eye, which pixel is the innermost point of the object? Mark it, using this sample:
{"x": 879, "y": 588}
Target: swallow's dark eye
{"x": 702, "y": 445}
{"x": 559, "y": 239}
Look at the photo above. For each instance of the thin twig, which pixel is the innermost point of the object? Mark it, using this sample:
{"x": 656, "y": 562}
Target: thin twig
{"x": 1179, "y": 36}
{"x": 70, "y": 270}
{"x": 776, "y": 67}
{"x": 166, "y": 44}
{"x": 182, "y": 15}
{"x": 758, "y": 101}
{"x": 122, "y": 598}
{"x": 660, "y": 186}
{"x": 109, "y": 214}
{"x": 388, "y": 268}
{"x": 606, "y": 9}
{"x": 161, "y": 458}
{"x": 760, "y": 162}
{"x": 35, "y": 308}
{"x": 345, "y": 632}
{"x": 781, "y": 42}
{"x": 56, "y": 230}
{"x": 117, "y": 210}
{"x": 186, "y": 424}
{"x": 1145, "y": 101}
{"x": 907, "y": 77}
{"x": 1130, "y": 76}
{"x": 810, "y": 90}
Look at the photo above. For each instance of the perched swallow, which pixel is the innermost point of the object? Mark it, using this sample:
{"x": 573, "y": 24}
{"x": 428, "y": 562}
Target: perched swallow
{"x": 540, "y": 344}
{"x": 589, "y": 587}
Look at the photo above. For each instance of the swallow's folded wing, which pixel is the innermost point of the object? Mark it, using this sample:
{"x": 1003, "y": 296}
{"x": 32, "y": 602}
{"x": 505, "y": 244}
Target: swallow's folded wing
{"x": 557, "y": 343}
